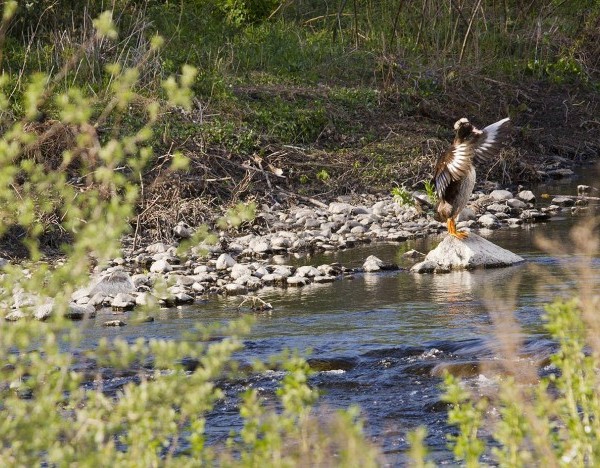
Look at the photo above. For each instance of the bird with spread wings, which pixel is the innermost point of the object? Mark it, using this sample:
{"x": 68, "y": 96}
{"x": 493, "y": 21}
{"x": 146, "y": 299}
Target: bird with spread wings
{"x": 454, "y": 173}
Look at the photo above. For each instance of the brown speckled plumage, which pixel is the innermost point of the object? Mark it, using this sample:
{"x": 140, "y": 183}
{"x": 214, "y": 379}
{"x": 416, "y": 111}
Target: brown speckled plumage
{"x": 454, "y": 173}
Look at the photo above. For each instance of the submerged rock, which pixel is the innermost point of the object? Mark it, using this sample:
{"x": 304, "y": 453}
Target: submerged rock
{"x": 114, "y": 323}
{"x": 473, "y": 252}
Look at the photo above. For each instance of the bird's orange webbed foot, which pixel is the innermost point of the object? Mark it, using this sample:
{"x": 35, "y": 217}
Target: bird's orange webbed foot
{"x": 460, "y": 235}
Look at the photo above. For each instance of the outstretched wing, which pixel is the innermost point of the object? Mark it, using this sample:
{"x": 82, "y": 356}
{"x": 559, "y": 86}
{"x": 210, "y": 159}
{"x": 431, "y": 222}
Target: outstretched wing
{"x": 487, "y": 144}
{"x": 452, "y": 165}
{"x": 480, "y": 146}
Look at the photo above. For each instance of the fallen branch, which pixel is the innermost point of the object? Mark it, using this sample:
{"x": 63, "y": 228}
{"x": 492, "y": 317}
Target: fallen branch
{"x": 302, "y": 197}
{"x": 254, "y": 300}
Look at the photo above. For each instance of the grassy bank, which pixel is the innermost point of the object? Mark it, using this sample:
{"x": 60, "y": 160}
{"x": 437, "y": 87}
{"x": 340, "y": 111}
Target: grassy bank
{"x": 321, "y": 98}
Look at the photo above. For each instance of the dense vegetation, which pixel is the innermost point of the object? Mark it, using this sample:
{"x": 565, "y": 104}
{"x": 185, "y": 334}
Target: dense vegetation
{"x": 88, "y": 115}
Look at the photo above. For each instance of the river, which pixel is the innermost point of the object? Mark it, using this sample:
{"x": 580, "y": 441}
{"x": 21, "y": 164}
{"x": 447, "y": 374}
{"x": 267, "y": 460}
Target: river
{"x": 380, "y": 340}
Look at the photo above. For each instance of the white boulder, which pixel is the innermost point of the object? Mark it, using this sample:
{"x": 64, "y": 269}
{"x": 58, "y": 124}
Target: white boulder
{"x": 473, "y": 252}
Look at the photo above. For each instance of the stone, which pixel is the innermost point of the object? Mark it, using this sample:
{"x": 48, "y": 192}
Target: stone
{"x": 501, "y": 195}
{"x": 81, "y": 296}
{"x": 399, "y": 236}
{"x": 43, "y": 311}
{"x": 488, "y": 221}
{"x": 161, "y": 266}
{"x": 340, "y": 208}
{"x": 183, "y": 298}
{"x": 158, "y": 247}
{"x": 467, "y": 214}
{"x": 534, "y": 215}
{"x": 78, "y": 312}
{"x": 358, "y": 230}
{"x": 116, "y": 282}
{"x": 324, "y": 279}
{"x": 260, "y": 245}
{"x": 282, "y": 270}
{"x": 413, "y": 254}
{"x": 114, "y": 323}
{"x": 97, "y": 300}
{"x": 260, "y": 272}
{"x": 224, "y": 261}
{"x": 527, "y": 196}
{"x": 307, "y": 271}
{"x": 253, "y": 283}
{"x": 3, "y": 262}
{"x": 271, "y": 278}
{"x": 243, "y": 279}
{"x": 516, "y": 204}
{"x": 372, "y": 263}
{"x": 473, "y": 252}
{"x": 182, "y": 280}
{"x": 14, "y": 316}
{"x": 200, "y": 269}
{"x": 123, "y": 301}
{"x": 140, "y": 280}
{"x": 182, "y": 230}
{"x": 297, "y": 281}
{"x": 311, "y": 223}
{"x": 23, "y": 299}
{"x": 426, "y": 266}
{"x": 328, "y": 270}
{"x": 145, "y": 299}
{"x": 498, "y": 208}
{"x": 280, "y": 243}
{"x": 563, "y": 201}
{"x": 234, "y": 289}
{"x": 166, "y": 301}
{"x": 239, "y": 269}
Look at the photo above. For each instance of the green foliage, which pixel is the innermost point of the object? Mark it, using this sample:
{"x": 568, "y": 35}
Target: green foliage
{"x": 403, "y": 196}
{"x": 237, "y": 215}
{"x": 323, "y": 175}
{"x": 290, "y": 122}
{"x": 554, "y": 422}
{"x": 468, "y": 417}
{"x": 239, "y": 12}
{"x": 430, "y": 191}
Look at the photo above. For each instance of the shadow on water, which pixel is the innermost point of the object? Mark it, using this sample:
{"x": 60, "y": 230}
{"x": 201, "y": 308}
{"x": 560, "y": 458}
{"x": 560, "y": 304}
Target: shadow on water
{"x": 382, "y": 340}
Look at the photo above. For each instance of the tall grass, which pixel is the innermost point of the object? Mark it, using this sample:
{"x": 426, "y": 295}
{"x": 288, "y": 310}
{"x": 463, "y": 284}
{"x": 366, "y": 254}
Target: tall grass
{"x": 360, "y": 42}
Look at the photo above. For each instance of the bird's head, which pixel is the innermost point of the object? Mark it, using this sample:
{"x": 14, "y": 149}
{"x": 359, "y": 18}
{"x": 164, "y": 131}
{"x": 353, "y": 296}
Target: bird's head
{"x": 463, "y": 128}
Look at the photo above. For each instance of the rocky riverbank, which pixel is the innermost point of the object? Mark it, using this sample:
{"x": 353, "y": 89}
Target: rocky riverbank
{"x": 158, "y": 275}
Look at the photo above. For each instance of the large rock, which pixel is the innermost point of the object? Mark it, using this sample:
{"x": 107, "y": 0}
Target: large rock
{"x": 501, "y": 195}
{"x": 114, "y": 283}
{"x": 473, "y": 252}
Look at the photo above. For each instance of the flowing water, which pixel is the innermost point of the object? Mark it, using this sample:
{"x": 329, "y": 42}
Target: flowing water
{"x": 381, "y": 340}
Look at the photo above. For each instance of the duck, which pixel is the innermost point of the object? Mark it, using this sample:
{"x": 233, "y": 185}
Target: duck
{"x": 454, "y": 174}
